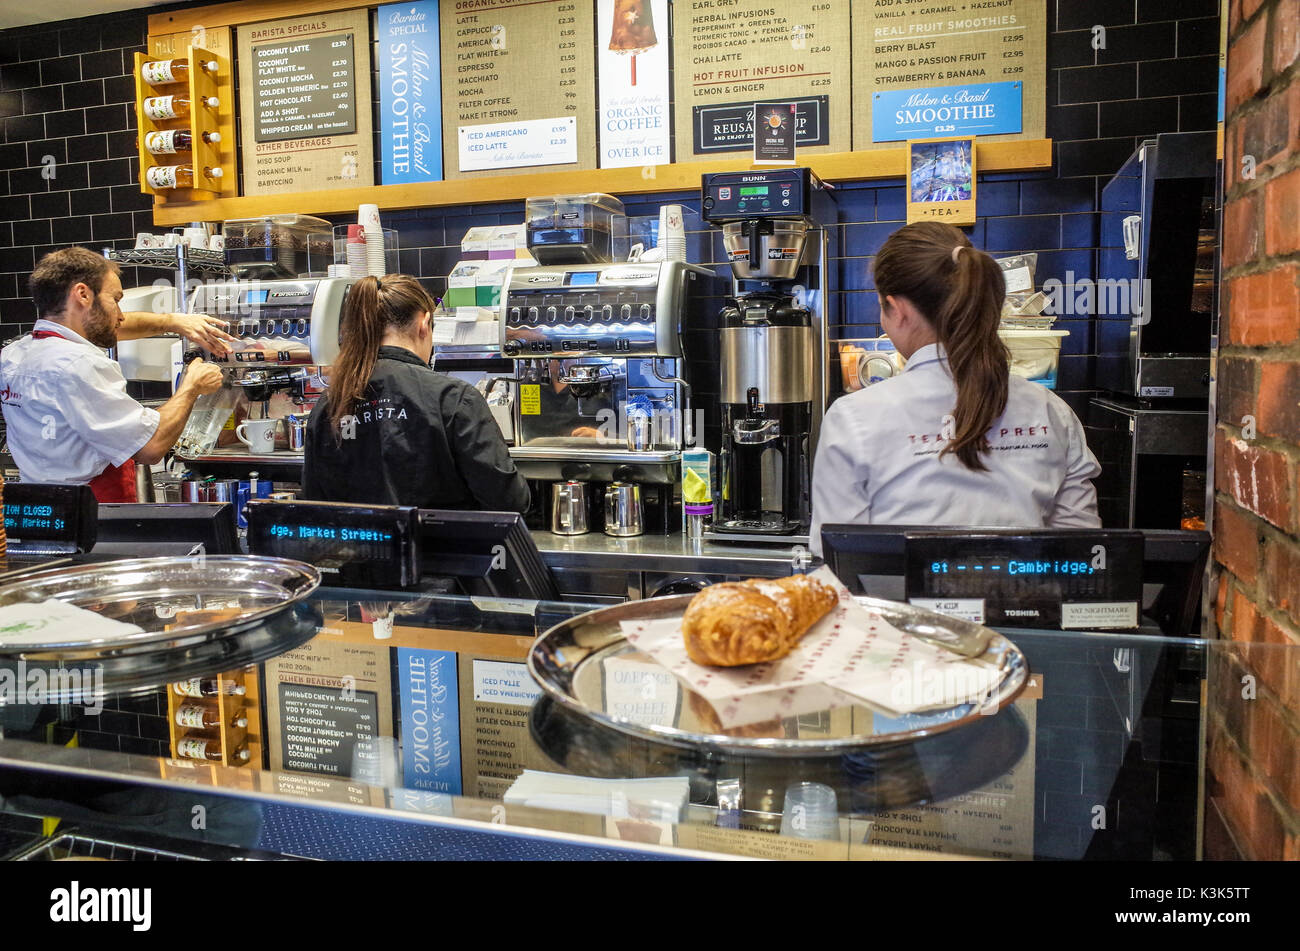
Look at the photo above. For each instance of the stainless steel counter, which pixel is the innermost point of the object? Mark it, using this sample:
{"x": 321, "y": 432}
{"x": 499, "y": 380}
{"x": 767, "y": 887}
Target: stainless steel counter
{"x": 596, "y": 565}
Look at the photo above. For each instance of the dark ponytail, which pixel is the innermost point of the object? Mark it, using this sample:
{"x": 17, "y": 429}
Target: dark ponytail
{"x": 959, "y": 290}
{"x": 372, "y": 307}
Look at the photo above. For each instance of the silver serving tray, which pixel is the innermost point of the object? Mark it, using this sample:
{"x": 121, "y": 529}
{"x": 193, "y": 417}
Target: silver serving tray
{"x": 268, "y": 594}
{"x": 567, "y": 660}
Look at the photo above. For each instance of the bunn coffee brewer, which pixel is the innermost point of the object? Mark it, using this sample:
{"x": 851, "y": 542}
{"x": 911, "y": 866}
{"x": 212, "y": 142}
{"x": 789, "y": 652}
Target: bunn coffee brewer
{"x": 773, "y": 346}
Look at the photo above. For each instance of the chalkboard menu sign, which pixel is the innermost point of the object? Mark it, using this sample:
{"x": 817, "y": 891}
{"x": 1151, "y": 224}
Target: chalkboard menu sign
{"x": 518, "y": 90}
{"x": 732, "y": 54}
{"x": 925, "y": 70}
{"x": 305, "y": 87}
{"x": 305, "y": 107}
{"x": 331, "y": 706}
{"x": 320, "y": 727}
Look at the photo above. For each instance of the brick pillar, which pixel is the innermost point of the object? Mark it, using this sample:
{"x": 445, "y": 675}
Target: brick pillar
{"x": 1253, "y": 788}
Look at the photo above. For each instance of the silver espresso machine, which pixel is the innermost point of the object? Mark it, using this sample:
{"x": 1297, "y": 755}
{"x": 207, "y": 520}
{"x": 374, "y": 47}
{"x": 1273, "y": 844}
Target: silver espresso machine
{"x": 773, "y": 349}
{"x": 287, "y": 330}
{"x": 598, "y": 362}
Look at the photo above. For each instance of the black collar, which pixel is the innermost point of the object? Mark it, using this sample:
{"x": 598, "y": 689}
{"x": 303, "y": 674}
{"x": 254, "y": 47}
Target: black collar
{"x": 401, "y": 354}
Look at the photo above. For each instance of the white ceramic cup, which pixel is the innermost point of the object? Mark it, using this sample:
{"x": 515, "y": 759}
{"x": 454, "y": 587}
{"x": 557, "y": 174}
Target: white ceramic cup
{"x": 196, "y": 238}
{"x": 216, "y": 242}
{"x": 260, "y": 436}
{"x": 171, "y": 239}
{"x": 146, "y": 239}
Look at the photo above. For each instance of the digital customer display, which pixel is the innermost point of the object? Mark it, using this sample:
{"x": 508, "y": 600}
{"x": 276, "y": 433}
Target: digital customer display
{"x": 352, "y": 545}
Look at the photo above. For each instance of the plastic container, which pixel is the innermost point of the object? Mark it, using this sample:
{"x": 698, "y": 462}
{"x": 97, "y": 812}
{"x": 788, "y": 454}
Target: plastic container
{"x": 575, "y": 229}
{"x": 279, "y": 246}
{"x": 1035, "y": 354}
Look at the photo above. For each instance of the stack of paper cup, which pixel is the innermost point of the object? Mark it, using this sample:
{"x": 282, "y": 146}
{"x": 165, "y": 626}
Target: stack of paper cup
{"x": 375, "y": 254}
{"x": 672, "y": 233}
{"x": 368, "y": 218}
{"x": 356, "y": 252}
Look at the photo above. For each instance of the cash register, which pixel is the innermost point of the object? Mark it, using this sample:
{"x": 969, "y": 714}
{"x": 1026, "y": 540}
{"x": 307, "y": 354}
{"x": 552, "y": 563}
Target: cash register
{"x": 397, "y": 547}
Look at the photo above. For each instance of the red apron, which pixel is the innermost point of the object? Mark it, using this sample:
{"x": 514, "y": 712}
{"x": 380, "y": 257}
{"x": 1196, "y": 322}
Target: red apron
{"x": 116, "y": 483}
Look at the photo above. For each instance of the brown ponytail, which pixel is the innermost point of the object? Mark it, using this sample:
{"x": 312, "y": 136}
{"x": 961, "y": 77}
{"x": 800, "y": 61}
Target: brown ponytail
{"x": 959, "y": 290}
{"x": 373, "y": 306}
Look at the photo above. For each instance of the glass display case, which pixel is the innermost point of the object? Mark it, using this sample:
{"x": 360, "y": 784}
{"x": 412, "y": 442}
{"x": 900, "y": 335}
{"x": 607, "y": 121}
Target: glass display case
{"x": 409, "y": 727}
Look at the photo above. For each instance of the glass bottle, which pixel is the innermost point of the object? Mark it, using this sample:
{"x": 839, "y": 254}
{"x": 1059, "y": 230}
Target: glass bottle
{"x": 171, "y": 141}
{"x": 162, "y": 72}
{"x": 199, "y": 716}
{"x": 207, "y": 687}
{"x": 174, "y": 107}
{"x": 177, "y": 176}
{"x": 198, "y": 747}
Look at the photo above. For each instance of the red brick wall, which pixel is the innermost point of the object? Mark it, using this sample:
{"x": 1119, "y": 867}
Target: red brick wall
{"x": 1253, "y": 788}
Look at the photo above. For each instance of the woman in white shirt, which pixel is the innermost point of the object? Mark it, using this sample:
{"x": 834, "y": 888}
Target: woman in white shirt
{"x": 955, "y": 439}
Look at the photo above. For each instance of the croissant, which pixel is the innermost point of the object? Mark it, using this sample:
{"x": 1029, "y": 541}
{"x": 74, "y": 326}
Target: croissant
{"x": 749, "y": 622}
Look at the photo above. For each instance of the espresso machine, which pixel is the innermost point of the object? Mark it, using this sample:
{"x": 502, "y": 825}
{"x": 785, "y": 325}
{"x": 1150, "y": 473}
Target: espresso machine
{"x": 598, "y": 361}
{"x": 286, "y": 331}
{"x": 773, "y": 349}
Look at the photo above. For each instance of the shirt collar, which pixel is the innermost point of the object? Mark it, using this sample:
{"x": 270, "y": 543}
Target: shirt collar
{"x": 64, "y": 331}
{"x": 401, "y": 354}
{"x": 930, "y": 353}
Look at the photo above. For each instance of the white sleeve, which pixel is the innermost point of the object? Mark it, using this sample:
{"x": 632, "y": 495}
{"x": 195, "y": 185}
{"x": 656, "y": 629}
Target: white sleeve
{"x": 97, "y": 407}
{"x": 839, "y": 477}
{"x": 1075, "y": 505}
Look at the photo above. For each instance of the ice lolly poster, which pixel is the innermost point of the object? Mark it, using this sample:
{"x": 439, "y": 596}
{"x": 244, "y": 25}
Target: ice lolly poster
{"x": 632, "y": 41}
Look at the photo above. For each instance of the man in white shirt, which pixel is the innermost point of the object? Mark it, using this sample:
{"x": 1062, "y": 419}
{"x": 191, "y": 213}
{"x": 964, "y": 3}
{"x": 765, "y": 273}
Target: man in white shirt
{"x": 67, "y": 414}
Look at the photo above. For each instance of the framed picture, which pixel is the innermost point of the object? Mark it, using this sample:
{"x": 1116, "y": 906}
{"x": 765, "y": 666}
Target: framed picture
{"x": 941, "y": 180}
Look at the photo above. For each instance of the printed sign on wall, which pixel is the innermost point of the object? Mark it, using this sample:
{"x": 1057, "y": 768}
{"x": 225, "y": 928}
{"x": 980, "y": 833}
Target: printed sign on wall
{"x": 517, "y": 86}
{"x": 430, "y": 719}
{"x": 988, "y": 60}
{"x": 731, "y": 54}
{"x": 410, "y": 92}
{"x": 634, "y": 89}
{"x": 988, "y": 109}
{"x": 304, "y": 98}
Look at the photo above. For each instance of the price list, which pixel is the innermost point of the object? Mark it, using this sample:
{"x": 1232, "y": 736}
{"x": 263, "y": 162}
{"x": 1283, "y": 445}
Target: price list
{"x": 321, "y": 727}
{"x": 304, "y": 103}
{"x": 332, "y": 707}
{"x": 927, "y": 69}
{"x": 733, "y": 53}
{"x": 305, "y": 88}
{"x": 517, "y": 85}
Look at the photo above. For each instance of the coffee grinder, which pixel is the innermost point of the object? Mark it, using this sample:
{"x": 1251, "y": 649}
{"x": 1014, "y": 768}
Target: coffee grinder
{"x": 773, "y": 345}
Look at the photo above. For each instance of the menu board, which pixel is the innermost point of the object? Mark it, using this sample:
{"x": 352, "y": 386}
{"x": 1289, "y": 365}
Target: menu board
{"x": 305, "y": 109}
{"x": 329, "y": 707}
{"x": 994, "y": 821}
{"x": 731, "y": 54}
{"x": 495, "y": 700}
{"x": 924, "y": 70}
{"x": 517, "y": 86}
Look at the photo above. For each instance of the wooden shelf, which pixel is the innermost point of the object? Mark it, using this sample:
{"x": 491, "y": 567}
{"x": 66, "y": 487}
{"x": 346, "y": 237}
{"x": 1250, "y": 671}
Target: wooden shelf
{"x": 999, "y": 156}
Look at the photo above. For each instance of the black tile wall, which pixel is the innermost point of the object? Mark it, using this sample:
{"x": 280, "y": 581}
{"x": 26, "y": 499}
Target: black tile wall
{"x": 65, "y": 91}
{"x": 128, "y": 725}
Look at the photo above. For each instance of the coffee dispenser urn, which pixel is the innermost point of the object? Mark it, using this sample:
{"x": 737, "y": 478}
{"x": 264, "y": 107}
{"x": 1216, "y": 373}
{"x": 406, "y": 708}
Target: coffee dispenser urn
{"x": 767, "y": 400}
{"x": 772, "y": 345}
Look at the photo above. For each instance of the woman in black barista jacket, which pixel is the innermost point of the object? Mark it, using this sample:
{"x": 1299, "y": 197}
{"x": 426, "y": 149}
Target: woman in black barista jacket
{"x": 392, "y": 431}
